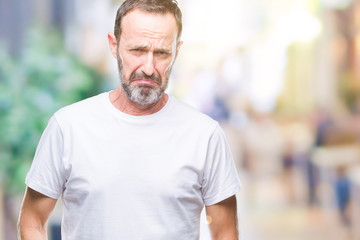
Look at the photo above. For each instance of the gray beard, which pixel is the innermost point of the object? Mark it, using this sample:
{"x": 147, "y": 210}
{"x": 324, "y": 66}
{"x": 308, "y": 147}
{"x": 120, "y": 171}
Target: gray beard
{"x": 142, "y": 95}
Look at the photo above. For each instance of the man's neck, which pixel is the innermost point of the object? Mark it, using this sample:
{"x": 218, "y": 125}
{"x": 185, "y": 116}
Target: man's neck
{"x": 120, "y": 101}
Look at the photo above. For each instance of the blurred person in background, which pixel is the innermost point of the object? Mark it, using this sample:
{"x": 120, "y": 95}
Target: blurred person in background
{"x": 342, "y": 187}
{"x": 134, "y": 163}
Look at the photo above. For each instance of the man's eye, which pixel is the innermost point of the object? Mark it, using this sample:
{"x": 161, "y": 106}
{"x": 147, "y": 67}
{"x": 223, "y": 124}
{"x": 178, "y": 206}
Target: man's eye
{"x": 138, "y": 51}
{"x": 162, "y": 53}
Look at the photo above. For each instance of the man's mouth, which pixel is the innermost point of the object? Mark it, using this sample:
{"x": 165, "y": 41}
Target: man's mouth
{"x": 145, "y": 81}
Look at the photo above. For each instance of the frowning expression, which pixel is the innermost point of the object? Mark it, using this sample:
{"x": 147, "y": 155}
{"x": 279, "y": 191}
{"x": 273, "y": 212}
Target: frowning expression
{"x": 146, "y": 52}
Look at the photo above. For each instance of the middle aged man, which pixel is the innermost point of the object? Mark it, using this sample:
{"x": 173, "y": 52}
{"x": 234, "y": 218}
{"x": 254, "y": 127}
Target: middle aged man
{"x": 134, "y": 163}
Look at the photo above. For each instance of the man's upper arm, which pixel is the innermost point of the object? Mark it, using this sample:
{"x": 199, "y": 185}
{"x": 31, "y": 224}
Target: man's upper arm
{"x": 34, "y": 214}
{"x": 220, "y": 178}
{"x": 222, "y": 219}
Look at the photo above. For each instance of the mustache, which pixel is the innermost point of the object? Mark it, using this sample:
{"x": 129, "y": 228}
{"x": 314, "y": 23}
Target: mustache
{"x": 142, "y": 75}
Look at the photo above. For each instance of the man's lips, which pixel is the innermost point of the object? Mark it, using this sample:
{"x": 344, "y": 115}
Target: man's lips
{"x": 145, "y": 81}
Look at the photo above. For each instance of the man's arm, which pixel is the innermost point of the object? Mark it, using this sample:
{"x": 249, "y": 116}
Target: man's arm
{"x": 34, "y": 214}
{"x": 222, "y": 219}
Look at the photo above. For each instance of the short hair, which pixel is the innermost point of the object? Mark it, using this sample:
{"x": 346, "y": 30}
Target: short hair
{"x": 151, "y": 6}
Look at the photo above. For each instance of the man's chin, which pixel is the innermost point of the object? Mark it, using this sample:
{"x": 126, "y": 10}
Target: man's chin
{"x": 145, "y": 95}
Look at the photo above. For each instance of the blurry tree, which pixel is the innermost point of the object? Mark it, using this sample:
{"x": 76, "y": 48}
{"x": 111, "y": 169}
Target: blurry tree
{"x": 32, "y": 88}
{"x": 45, "y": 78}
{"x": 349, "y": 87}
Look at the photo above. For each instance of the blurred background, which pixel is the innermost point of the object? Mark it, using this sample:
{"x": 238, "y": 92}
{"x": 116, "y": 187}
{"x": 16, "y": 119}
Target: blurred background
{"x": 282, "y": 77}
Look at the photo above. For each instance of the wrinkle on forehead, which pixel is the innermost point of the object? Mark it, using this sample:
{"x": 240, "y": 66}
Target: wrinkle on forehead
{"x": 149, "y": 33}
{"x": 148, "y": 43}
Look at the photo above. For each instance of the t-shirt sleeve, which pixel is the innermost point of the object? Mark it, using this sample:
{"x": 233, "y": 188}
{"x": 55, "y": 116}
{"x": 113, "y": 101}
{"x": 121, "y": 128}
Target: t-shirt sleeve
{"x": 220, "y": 176}
{"x": 46, "y": 172}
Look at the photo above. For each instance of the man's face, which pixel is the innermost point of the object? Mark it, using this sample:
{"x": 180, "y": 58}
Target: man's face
{"x": 146, "y": 52}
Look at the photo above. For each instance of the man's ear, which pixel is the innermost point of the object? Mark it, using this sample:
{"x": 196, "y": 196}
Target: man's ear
{"x": 112, "y": 44}
{"x": 178, "y": 45}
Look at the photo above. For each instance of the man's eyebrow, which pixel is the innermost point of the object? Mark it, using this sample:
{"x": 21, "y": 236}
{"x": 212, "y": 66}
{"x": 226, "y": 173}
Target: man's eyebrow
{"x": 144, "y": 47}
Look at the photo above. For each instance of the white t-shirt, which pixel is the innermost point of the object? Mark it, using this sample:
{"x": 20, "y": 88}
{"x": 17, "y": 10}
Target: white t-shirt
{"x": 132, "y": 177}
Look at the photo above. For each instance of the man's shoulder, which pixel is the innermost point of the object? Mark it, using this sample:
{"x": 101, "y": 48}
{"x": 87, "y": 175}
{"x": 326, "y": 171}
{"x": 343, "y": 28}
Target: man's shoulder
{"x": 83, "y": 108}
{"x": 191, "y": 115}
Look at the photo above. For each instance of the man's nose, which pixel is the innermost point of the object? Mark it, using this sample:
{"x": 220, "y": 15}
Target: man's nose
{"x": 149, "y": 66}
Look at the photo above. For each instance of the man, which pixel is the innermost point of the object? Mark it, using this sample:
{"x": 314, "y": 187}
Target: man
{"x": 134, "y": 163}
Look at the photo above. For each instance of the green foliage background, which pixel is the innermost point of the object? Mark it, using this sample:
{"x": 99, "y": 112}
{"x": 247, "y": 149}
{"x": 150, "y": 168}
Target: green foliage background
{"x": 45, "y": 78}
